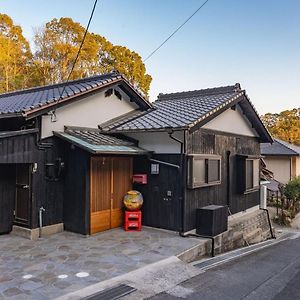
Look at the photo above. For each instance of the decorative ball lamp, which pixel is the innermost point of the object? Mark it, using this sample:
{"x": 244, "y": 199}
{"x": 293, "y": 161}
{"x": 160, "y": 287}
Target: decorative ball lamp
{"x": 133, "y": 200}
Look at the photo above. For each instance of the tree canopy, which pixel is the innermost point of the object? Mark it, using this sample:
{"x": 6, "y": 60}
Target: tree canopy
{"x": 56, "y": 46}
{"x": 284, "y": 125}
{"x": 15, "y": 56}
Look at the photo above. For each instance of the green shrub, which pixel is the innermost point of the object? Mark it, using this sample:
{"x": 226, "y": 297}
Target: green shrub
{"x": 292, "y": 189}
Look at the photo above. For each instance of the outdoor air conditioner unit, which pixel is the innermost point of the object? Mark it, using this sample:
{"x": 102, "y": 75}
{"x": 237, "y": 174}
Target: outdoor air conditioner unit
{"x": 211, "y": 220}
{"x": 263, "y": 197}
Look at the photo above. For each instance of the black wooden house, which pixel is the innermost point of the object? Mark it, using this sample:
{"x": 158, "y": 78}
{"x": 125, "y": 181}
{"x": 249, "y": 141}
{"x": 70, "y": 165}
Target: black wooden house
{"x": 59, "y": 171}
{"x": 206, "y": 149}
{"x": 75, "y": 156}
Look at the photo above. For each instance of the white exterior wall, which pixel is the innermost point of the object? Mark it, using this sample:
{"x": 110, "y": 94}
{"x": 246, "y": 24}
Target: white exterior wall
{"x": 280, "y": 166}
{"x": 232, "y": 121}
{"x": 159, "y": 142}
{"x": 88, "y": 112}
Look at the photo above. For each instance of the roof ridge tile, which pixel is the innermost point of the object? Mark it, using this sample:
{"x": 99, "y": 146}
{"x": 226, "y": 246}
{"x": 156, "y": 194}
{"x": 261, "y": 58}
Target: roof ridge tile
{"x": 201, "y": 92}
{"x": 57, "y": 85}
{"x": 28, "y": 101}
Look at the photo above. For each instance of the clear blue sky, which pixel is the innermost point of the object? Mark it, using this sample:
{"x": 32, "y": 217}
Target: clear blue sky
{"x": 254, "y": 42}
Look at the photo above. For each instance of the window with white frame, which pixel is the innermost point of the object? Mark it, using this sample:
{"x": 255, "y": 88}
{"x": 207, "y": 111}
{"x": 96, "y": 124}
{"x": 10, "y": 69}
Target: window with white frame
{"x": 204, "y": 170}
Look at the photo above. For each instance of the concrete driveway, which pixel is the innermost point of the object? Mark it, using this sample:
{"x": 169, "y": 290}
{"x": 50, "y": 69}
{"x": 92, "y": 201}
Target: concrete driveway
{"x": 66, "y": 262}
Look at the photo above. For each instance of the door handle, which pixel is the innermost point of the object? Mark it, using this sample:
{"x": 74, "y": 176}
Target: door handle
{"x": 25, "y": 186}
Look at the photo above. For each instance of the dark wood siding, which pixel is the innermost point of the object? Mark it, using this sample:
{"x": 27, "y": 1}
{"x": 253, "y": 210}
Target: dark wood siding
{"x": 23, "y": 149}
{"x": 9, "y": 124}
{"x": 160, "y": 209}
{"x": 18, "y": 149}
{"x": 77, "y": 194}
{"x": 212, "y": 142}
{"x": 7, "y": 196}
{"x": 47, "y": 192}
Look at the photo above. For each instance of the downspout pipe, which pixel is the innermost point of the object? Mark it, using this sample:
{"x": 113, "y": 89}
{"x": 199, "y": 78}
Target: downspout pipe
{"x": 182, "y": 176}
{"x": 269, "y": 221}
{"x": 228, "y": 153}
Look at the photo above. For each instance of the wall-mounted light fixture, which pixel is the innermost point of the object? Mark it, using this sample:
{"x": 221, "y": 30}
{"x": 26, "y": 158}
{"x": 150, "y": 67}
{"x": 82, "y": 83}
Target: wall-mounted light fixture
{"x": 53, "y": 116}
{"x": 34, "y": 168}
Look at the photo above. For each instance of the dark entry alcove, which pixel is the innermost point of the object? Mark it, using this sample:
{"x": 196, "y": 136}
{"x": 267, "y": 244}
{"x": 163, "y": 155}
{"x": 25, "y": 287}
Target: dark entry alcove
{"x": 7, "y": 197}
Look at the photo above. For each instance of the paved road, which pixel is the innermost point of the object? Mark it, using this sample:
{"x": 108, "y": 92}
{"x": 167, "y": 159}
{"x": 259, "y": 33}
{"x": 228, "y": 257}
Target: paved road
{"x": 270, "y": 273}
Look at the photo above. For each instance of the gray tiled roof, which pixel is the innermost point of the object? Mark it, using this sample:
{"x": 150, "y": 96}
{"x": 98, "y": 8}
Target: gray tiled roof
{"x": 31, "y": 99}
{"x": 177, "y": 110}
{"x": 95, "y": 137}
{"x": 279, "y": 147}
{"x": 92, "y": 140}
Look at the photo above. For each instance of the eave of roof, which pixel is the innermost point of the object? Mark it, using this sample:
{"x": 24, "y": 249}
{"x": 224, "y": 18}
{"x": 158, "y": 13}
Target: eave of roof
{"x": 7, "y": 134}
{"x": 261, "y": 127}
{"x": 91, "y": 86}
{"x": 105, "y": 148}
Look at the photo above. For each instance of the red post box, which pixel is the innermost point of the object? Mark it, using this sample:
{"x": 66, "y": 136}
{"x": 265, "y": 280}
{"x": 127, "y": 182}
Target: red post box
{"x": 140, "y": 178}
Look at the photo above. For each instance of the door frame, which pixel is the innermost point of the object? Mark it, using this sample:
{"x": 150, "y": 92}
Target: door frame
{"x": 107, "y": 213}
{"x": 24, "y": 222}
{"x": 7, "y": 193}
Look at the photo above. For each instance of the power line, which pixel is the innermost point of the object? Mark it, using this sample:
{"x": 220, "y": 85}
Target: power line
{"x": 78, "y": 52}
{"x": 174, "y": 32}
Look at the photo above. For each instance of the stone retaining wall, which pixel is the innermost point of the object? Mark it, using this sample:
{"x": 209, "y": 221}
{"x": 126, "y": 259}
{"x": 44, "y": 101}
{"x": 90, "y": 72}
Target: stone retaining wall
{"x": 244, "y": 230}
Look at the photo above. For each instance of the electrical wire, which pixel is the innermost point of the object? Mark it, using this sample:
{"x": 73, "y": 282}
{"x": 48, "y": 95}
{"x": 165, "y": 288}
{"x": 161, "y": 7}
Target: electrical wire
{"x": 78, "y": 52}
{"x": 174, "y": 32}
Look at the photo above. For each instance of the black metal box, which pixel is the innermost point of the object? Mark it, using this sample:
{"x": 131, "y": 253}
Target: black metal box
{"x": 211, "y": 220}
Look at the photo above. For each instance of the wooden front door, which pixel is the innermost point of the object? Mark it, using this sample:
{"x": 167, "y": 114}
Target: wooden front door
{"x": 110, "y": 180}
{"x": 23, "y": 194}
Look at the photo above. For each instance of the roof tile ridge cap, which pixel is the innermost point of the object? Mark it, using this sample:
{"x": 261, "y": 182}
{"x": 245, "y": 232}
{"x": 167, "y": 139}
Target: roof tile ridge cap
{"x": 238, "y": 92}
{"x": 207, "y": 91}
{"x": 122, "y": 119}
{"x": 123, "y": 77}
{"x": 283, "y": 143}
{"x": 80, "y": 128}
{"x": 256, "y": 112}
{"x": 250, "y": 102}
{"x": 143, "y": 113}
{"x": 125, "y": 116}
{"x": 54, "y": 85}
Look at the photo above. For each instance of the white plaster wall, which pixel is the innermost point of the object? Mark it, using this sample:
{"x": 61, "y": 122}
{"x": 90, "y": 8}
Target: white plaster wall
{"x": 88, "y": 112}
{"x": 280, "y": 166}
{"x": 159, "y": 142}
{"x": 232, "y": 121}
